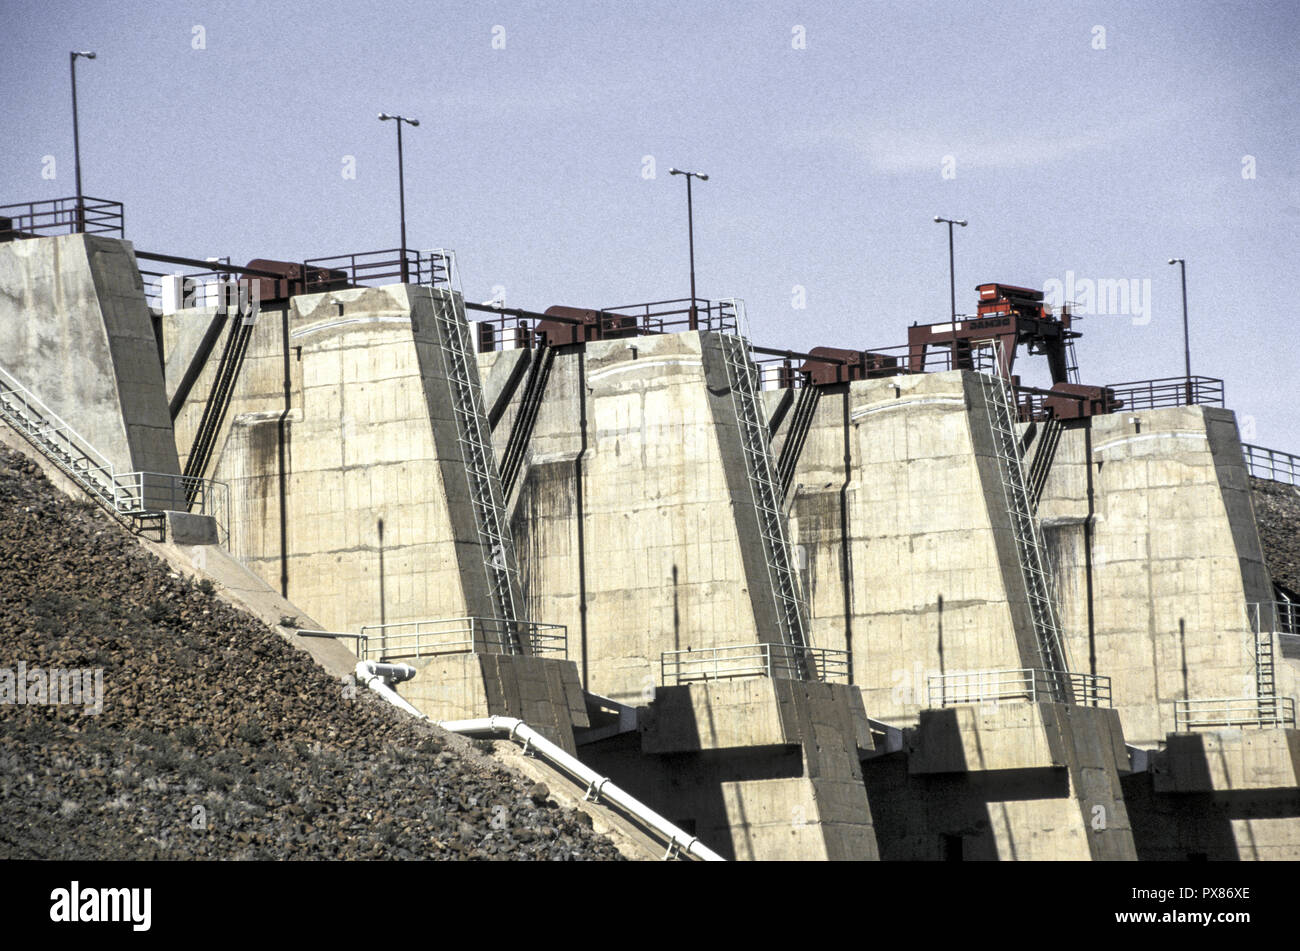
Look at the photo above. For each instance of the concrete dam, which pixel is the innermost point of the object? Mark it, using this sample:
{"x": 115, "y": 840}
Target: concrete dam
{"x": 852, "y": 605}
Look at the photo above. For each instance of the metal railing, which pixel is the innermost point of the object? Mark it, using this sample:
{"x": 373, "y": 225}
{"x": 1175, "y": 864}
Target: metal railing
{"x": 474, "y": 434}
{"x": 461, "y": 635}
{"x": 1281, "y": 617}
{"x": 128, "y": 494}
{"x": 675, "y": 316}
{"x": 753, "y": 660}
{"x": 510, "y": 331}
{"x": 199, "y": 288}
{"x": 1209, "y": 714}
{"x": 1033, "y": 684}
{"x": 358, "y": 640}
{"x": 34, "y": 219}
{"x": 1272, "y": 464}
{"x": 1022, "y": 518}
{"x": 322, "y": 274}
{"x": 138, "y": 493}
{"x": 1169, "y": 391}
{"x": 780, "y": 373}
{"x": 767, "y": 496}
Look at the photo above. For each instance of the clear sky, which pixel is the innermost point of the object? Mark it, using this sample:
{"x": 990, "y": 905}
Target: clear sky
{"x": 1087, "y": 139}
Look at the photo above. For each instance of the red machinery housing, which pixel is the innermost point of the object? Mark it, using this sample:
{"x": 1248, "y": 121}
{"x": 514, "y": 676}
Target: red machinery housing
{"x": 581, "y": 325}
{"x": 841, "y": 366}
{"x": 1011, "y": 316}
{"x": 297, "y": 279}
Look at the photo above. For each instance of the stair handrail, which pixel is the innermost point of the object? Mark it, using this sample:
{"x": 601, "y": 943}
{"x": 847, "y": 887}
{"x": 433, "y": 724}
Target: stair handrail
{"x": 81, "y": 443}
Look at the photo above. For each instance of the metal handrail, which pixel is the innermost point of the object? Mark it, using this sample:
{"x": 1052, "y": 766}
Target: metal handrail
{"x": 1209, "y": 713}
{"x": 460, "y": 635}
{"x": 1272, "y": 464}
{"x": 358, "y": 639}
{"x": 361, "y": 266}
{"x": 1033, "y": 684}
{"x": 1169, "y": 391}
{"x": 36, "y": 405}
{"x": 202, "y": 288}
{"x": 1281, "y": 617}
{"x": 672, "y": 316}
{"x": 753, "y": 660}
{"x": 33, "y": 219}
{"x": 133, "y": 493}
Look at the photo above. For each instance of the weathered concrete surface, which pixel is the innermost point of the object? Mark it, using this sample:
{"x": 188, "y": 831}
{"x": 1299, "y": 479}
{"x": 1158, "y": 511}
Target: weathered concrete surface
{"x": 1230, "y": 761}
{"x": 543, "y": 692}
{"x": 231, "y": 580}
{"x": 755, "y": 711}
{"x": 759, "y": 768}
{"x": 911, "y": 562}
{"x": 182, "y": 528}
{"x": 1175, "y": 558}
{"x": 362, "y": 450}
{"x": 1201, "y": 812}
{"x": 634, "y": 521}
{"x": 1007, "y": 781}
{"x": 79, "y": 335}
{"x": 377, "y": 524}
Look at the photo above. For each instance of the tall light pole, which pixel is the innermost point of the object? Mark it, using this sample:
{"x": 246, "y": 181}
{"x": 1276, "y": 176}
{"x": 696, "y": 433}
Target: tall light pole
{"x": 401, "y": 185}
{"x": 690, "y": 228}
{"x": 952, "y": 275}
{"x": 76, "y": 136}
{"x": 1187, "y": 345}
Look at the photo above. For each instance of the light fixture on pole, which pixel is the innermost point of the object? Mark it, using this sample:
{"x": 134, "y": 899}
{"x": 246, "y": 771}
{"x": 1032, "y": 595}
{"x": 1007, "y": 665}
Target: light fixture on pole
{"x": 690, "y": 230}
{"x": 1187, "y": 345}
{"x": 76, "y": 137}
{"x": 952, "y": 276}
{"x": 401, "y": 185}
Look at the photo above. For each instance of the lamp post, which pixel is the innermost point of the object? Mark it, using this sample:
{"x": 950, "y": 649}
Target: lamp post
{"x": 80, "y": 223}
{"x": 401, "y": 185}
{"x": 1187, "y": 346}
{"x": 952, "y": 276}
{"x": 690, "y": 228}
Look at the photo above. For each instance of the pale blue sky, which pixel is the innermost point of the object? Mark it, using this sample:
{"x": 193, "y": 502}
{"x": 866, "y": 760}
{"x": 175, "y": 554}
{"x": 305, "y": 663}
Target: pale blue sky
{"x": 825, "y": 162}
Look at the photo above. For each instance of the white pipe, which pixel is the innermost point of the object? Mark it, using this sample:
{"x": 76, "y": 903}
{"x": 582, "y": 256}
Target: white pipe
{"x": 597, "y": 785}
{"x": 368, "y": 673}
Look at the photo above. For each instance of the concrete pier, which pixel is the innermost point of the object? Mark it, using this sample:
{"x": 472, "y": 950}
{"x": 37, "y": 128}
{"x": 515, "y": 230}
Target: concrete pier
{"x": 916, "y": 722}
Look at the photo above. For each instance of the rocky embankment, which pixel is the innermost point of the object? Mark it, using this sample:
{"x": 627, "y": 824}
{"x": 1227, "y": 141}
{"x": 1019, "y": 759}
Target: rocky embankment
{"x": 216, "y": 738}
{"x": 1277, "y": 513}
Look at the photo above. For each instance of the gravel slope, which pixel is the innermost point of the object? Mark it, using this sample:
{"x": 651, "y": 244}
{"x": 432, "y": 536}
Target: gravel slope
{"x": 1277, "y": 514}
{"x": 217, "y": 739}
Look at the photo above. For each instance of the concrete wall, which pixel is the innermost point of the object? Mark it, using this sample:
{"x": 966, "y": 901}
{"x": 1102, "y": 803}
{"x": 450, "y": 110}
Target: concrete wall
{"x": 758, "y": 768}
{"x": 635, "y": 495}
{"x": 362, "y": 456}
{"x": 1175, "y": 558}
{"x": 79, "y": 335}
{"x": 1223, "y": 796}
{"x": 911, "y": 562}
{"x": 377, "y": 525}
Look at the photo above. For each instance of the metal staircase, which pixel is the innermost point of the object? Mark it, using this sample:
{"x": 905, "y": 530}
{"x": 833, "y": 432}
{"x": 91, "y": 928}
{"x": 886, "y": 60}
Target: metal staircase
{"x": 23, "y": 410}
{"x": 121, "y": 494}
{"x": 805, "y": 408}
{"x": 1024, "y": 527}
{"x": 218, "y": 402}
{"x": 1044, "y": 454}
{"x": 1265, "y": 685}
{"x": 742, "y": 377}
{"x": 1071, "y": 362}
{"x": 474, "y": 437}
{"x": 521, "y": 431}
